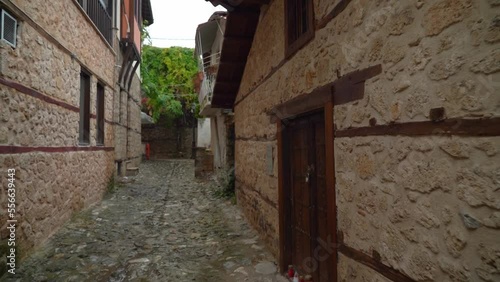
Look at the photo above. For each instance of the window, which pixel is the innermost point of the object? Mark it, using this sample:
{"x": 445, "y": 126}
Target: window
{"x": 100, "y": 114}
{"x": 8, "y": 28}
{"x": 100, "y": 12}
{"x": 299, "y": 25}
{"x": 84, "y": 108}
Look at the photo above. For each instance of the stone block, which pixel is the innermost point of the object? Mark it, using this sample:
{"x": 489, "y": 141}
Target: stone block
{"x": 445, "y": 68}
{"x": 443, "y": 14}
{"x": 454, "y": 271}
{"x": 488, "y": 63}
{"x": 456, "y": 240}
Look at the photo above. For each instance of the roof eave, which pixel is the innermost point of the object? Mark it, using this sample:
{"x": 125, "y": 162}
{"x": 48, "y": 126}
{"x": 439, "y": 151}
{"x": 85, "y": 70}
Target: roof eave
{"x": 147, "y": 12}
{"x": 241, "y": 24}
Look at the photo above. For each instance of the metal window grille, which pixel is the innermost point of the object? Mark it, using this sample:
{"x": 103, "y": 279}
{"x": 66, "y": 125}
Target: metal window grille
{"x": 99, "y": 12}
{"x": 8, "y": 28}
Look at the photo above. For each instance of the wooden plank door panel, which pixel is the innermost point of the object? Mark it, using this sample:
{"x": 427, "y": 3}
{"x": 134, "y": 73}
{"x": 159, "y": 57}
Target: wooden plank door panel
{"x": 299, "y": 194}
{"x": 306, "y": 195}
{"x": 320, "y": 254}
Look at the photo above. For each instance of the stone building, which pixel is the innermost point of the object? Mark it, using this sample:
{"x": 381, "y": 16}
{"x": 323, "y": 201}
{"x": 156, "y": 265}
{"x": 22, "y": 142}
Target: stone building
{"x": 68, "y": 112}
{"x": 367, "y": 134}
{"x": 127, "y": 104}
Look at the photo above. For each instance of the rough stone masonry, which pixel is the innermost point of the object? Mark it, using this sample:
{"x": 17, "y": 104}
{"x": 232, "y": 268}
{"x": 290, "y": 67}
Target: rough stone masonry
{"x": 161, "y": 225}
{"x": 40, "y": 116}
{"x": 429, "y": 205}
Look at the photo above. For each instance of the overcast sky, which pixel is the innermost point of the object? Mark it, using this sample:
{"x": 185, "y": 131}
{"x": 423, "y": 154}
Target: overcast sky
{"x": 175, "y": 22}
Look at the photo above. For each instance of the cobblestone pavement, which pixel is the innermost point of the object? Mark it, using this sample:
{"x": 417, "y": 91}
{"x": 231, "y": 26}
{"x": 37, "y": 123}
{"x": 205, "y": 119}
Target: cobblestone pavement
{"x": 161, "y": 226}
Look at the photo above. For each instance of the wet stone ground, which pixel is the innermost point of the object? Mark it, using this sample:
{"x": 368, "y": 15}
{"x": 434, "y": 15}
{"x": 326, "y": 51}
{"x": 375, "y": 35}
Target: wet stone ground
{"x": 162, "y": 225}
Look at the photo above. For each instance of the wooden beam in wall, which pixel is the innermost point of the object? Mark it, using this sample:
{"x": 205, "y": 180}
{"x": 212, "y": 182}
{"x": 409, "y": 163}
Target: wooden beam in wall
{"x": 43, "y": 97}
{"x": 372, "y": 262}
{"x": 23, "y": 149}
{"x": 455, "y": 126}
{"x": 345, "y": 89}
{"x": 302, "y": 104}
{"x": 351, "y": 87}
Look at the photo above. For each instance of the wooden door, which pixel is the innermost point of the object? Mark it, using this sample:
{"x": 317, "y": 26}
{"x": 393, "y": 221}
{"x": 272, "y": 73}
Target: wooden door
{"x": 306, "y": 196}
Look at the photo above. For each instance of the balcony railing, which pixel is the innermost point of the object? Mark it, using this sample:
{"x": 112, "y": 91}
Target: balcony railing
{"x": 100, "y": 16}
{"x": 207, "y": 88}
{"x": 209, "y": 65}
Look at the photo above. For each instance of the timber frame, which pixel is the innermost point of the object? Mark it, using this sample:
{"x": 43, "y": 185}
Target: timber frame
{"x": 343, "y": 90}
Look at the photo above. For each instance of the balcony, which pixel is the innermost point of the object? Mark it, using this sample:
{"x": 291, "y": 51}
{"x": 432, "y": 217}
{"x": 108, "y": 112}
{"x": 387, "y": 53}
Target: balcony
{"x": 100, "y": 11}
{"x": 209, "y": 39}
{"x": 208, "y": 66}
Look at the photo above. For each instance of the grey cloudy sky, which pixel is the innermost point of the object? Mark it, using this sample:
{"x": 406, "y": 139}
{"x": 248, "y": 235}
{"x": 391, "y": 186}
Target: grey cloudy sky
{"x": 176, "y": 21}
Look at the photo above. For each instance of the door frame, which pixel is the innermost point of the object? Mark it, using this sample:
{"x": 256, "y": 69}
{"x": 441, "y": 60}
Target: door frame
{"x": 320, "y": 99}
{"x": 344, "y": 89}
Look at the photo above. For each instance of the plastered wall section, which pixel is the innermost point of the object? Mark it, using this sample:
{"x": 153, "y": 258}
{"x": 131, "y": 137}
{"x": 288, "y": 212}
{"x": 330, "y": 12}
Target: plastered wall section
{"x": 52, "y": 186}
{"x": 410, "y": 199}
{"x": 203, "y": 133}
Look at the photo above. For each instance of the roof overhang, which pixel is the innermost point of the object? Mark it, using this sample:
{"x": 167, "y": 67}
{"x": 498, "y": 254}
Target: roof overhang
{"x": 205, "y": 35}
{"x": 239, "y": 4}
{"x": 241, "y": 24}
{"x": 147, "y": 12}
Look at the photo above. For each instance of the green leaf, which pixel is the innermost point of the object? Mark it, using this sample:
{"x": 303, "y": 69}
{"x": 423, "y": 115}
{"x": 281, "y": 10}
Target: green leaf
{"x": 167, "y": 81}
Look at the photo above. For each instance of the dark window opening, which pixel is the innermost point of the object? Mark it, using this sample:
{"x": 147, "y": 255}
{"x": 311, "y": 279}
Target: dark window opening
{"x": 299, "y": 24}
{"x": 100, "y": 114}
{"x": 84, "y": 108}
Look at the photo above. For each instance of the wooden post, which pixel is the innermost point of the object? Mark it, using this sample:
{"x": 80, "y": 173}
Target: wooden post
{"x": 330, "y": 186}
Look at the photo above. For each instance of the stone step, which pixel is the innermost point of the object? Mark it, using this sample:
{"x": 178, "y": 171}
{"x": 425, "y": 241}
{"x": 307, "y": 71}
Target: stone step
{"x": 132, "y": 171}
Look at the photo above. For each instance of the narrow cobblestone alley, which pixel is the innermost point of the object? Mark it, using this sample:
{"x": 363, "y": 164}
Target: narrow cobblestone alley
{"x": 163, "y": 225}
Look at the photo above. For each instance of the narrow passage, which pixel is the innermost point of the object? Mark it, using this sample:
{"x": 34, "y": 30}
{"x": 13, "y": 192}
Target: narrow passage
{"x": 162, "y": 225}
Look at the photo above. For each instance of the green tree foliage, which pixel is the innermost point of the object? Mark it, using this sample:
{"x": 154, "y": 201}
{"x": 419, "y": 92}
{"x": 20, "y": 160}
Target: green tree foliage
{"x": 167, "y": 82}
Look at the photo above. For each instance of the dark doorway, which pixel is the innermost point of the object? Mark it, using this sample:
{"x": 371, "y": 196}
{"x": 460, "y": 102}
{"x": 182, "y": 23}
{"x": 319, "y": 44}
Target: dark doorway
{"x": 307, "y": 239}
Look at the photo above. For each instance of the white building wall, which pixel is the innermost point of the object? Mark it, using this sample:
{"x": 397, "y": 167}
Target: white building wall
{"x": 203, "y": 138}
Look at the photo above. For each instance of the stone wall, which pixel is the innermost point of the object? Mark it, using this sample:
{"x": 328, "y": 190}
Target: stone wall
{"x": 134, "y": 123}
{"x": 203, "y": 163}
{"x": 411, "y": 199}
{"x": 69, "y": 25}
{"x": 168, "y": 142}
{"x": 127, "y": 116}
{"x": 39, "y": 98}
{"x": 50, "y": 187}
